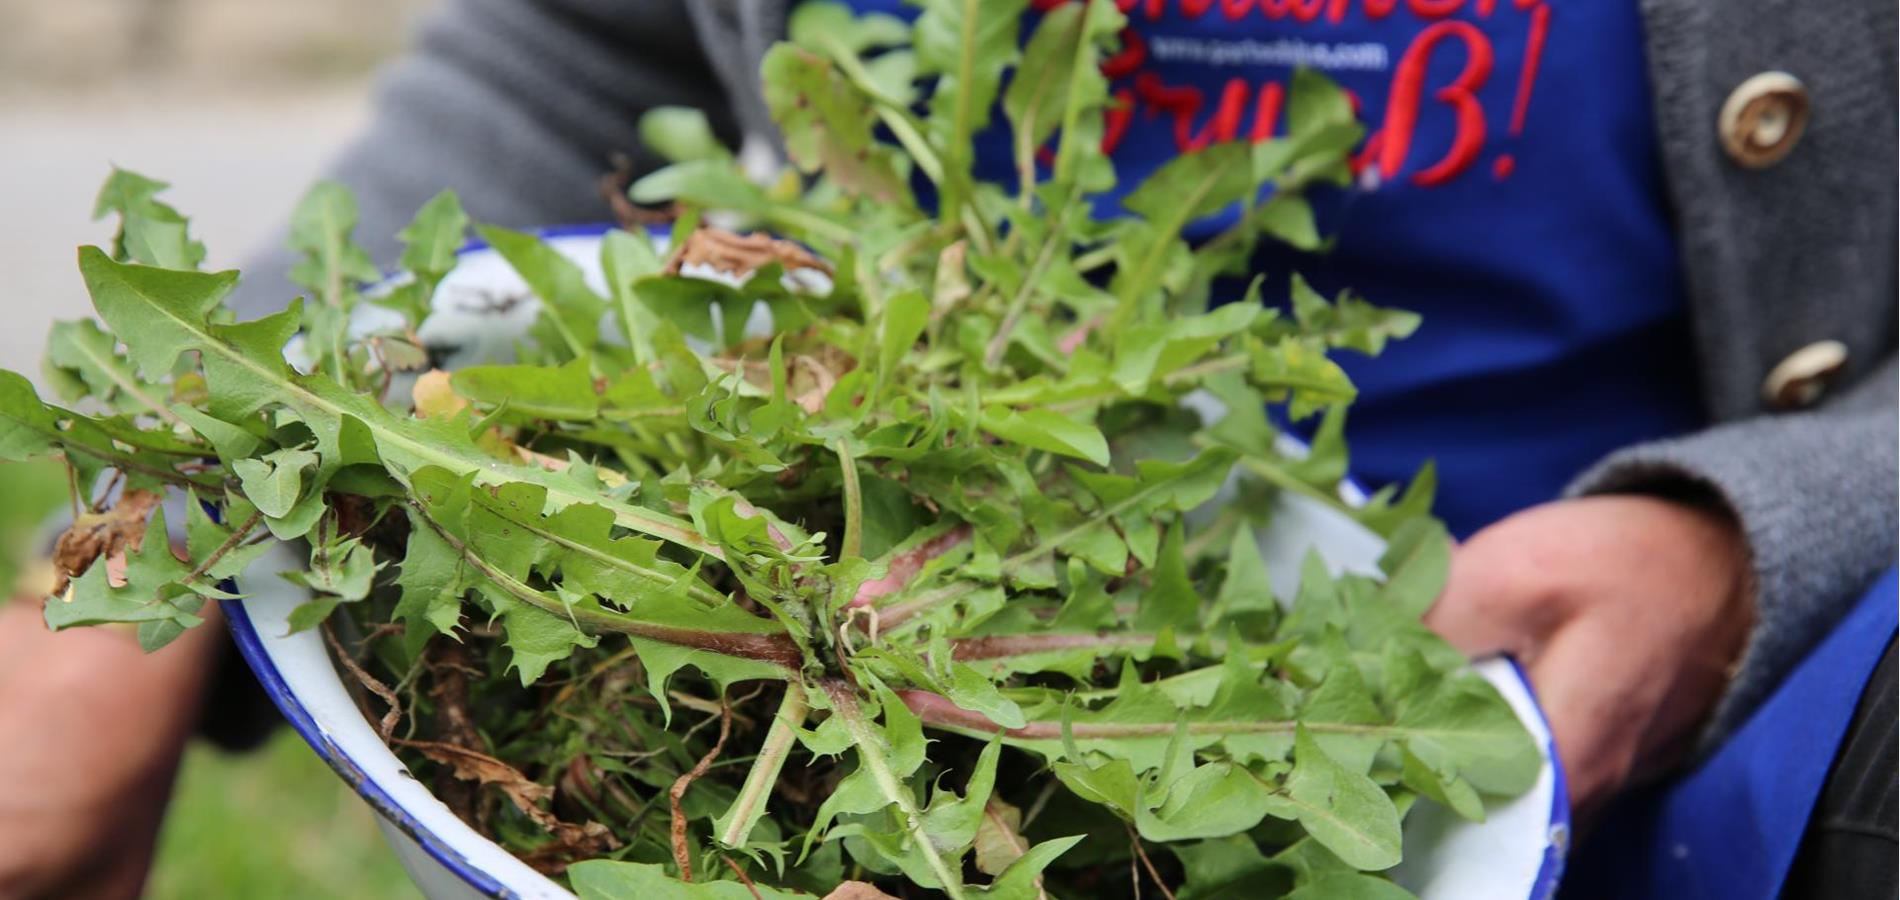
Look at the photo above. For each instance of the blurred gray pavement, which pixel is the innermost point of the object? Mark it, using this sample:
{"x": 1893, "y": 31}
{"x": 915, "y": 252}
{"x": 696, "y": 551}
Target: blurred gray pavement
{"x": 236, "y": 164}
{"x": 237, "y": 103}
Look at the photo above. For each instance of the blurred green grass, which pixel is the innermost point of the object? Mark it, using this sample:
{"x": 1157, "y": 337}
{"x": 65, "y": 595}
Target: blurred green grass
{"x": 274, "y": 823}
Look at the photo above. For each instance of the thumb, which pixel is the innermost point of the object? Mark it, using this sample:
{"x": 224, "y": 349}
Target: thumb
{"x": 1491, "y": 603}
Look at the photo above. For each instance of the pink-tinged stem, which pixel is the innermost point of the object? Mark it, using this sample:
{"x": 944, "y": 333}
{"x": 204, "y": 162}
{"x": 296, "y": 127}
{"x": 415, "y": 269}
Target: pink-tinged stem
{"x": 1025, "y": 645}
{"x": 749, "y": 511}
{"x": 937, "y": 711}
{"x": 904, "y": 566}
{"x": 1070, "y": 342}
{"x": 777, "y": 649}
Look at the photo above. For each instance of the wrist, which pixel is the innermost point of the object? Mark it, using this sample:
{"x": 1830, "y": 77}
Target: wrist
{"x": 1709, "y": 542}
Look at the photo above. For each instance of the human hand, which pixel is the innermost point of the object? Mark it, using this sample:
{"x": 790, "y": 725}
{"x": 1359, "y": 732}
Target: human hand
{"x": 1627, "y": 612}
{"x": 91, "y": 729}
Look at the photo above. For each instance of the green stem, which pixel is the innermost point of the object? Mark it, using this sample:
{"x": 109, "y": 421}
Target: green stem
{"x": 1147, "y": 270}
{"x": 905, "y": 130}
{"x": 890, "y": 110}
{"x": 961, "y": 119}
{"x": 333, "y": 297}
{"x": 870, "y": 746}
{"x": 1081, "y": 67}
{"x": 1270, "y": 471}
{"x": 938, "y": 712}
{"x": 853, "y": 503}
{"x": 775, "y": 648}
{"x": 1095, "y": 259}
{"x": 812, "y": 223}
{"x": 1017, "y": 304}
{"x": 737, "y": 824}
{"x": 238, "y": 535}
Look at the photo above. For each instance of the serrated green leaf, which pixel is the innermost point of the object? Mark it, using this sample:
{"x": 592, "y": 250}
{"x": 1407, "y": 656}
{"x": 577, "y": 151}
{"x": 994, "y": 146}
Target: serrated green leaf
{"x": 1348, "y": 321}
{"x": 1171, "y": 601}
{"x": 625, "y": 258}
{"x": 157, "y": 305}
{"x": 536, "y": 637}
{"x": 155, "y": 591}
{"x": 1211, "y": 801}
{"x": 431, "y": 239}
{"x": 819, "y": 22}
{"x": 601, "y": 879}
{"x": 311, "y": 613}
{"x": 1343, "y": 810}
{"x": 125, "y": 190}
{"x": 1451, "y": 792}
{"x": 828, "y": 124}
{"x": 967, "y": 44}
{"x": 573, "y": 309}
{"x": 275, "y": 481}
{"x": 1417, "y": 561}
{"x": 681, "y": 134}
{"x": 320, "y": 229}
{"x": 562, "y": 394}
{"x": 1289, "y": 218}
{"x": 150, "y": 231}
{"x": 430, "y": 587}
{"x": 1061, "y": 68}
{"x": 1460, "y": 725}
{"x": 1050, "y": 431}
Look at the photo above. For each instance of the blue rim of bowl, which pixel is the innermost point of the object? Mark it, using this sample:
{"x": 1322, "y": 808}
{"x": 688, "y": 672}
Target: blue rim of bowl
{"x": 251, "y": 647}
{"x": 1557, "y": 834}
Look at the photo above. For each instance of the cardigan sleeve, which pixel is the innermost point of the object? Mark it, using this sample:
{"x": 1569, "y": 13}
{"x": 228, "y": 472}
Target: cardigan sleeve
{"x": 1814, "y": 493}
{"x": 520, "y": 108}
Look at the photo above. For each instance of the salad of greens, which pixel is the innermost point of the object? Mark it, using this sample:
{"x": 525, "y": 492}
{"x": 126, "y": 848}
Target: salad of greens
{"x": 916, "y": 590}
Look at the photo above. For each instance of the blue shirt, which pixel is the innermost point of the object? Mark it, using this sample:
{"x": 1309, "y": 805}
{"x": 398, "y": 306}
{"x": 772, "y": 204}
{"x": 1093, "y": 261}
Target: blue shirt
{"x": 1509, "y": 191}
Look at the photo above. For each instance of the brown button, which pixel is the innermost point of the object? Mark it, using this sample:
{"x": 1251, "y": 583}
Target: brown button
{"x": 1800, "y": 379}
{"x": 1763, "y": 119}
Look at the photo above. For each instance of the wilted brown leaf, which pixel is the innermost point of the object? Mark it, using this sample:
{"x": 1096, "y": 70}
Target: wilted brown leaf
{"x": 108, "y": 533}
{"x": 474, "y": 765}
{"x": 571, "y": 842}
{"x": 999, "y": 841}
{"x": 740, "y": 253}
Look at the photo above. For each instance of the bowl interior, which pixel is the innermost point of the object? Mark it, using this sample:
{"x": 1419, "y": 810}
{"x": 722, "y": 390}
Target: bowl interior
{"x": 481, "y": 309}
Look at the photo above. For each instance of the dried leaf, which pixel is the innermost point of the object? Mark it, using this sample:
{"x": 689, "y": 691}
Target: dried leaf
{"x": 739, "y": 254}
{"x": 857, "y": 890}
{"x": 108, "y": 533}
{"x": 571, "y": 841}
{"x": 435, "y": 397}
{"x": 999, "y": 839}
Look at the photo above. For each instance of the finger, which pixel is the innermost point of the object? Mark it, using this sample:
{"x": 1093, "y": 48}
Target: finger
{"x": 1483, "y": 609}
{"x": 1598, "y": 714}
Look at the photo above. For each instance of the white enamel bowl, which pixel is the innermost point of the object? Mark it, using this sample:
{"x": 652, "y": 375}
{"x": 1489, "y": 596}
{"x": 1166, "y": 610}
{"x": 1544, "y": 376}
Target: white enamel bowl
{"x": 481, "y": 308}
